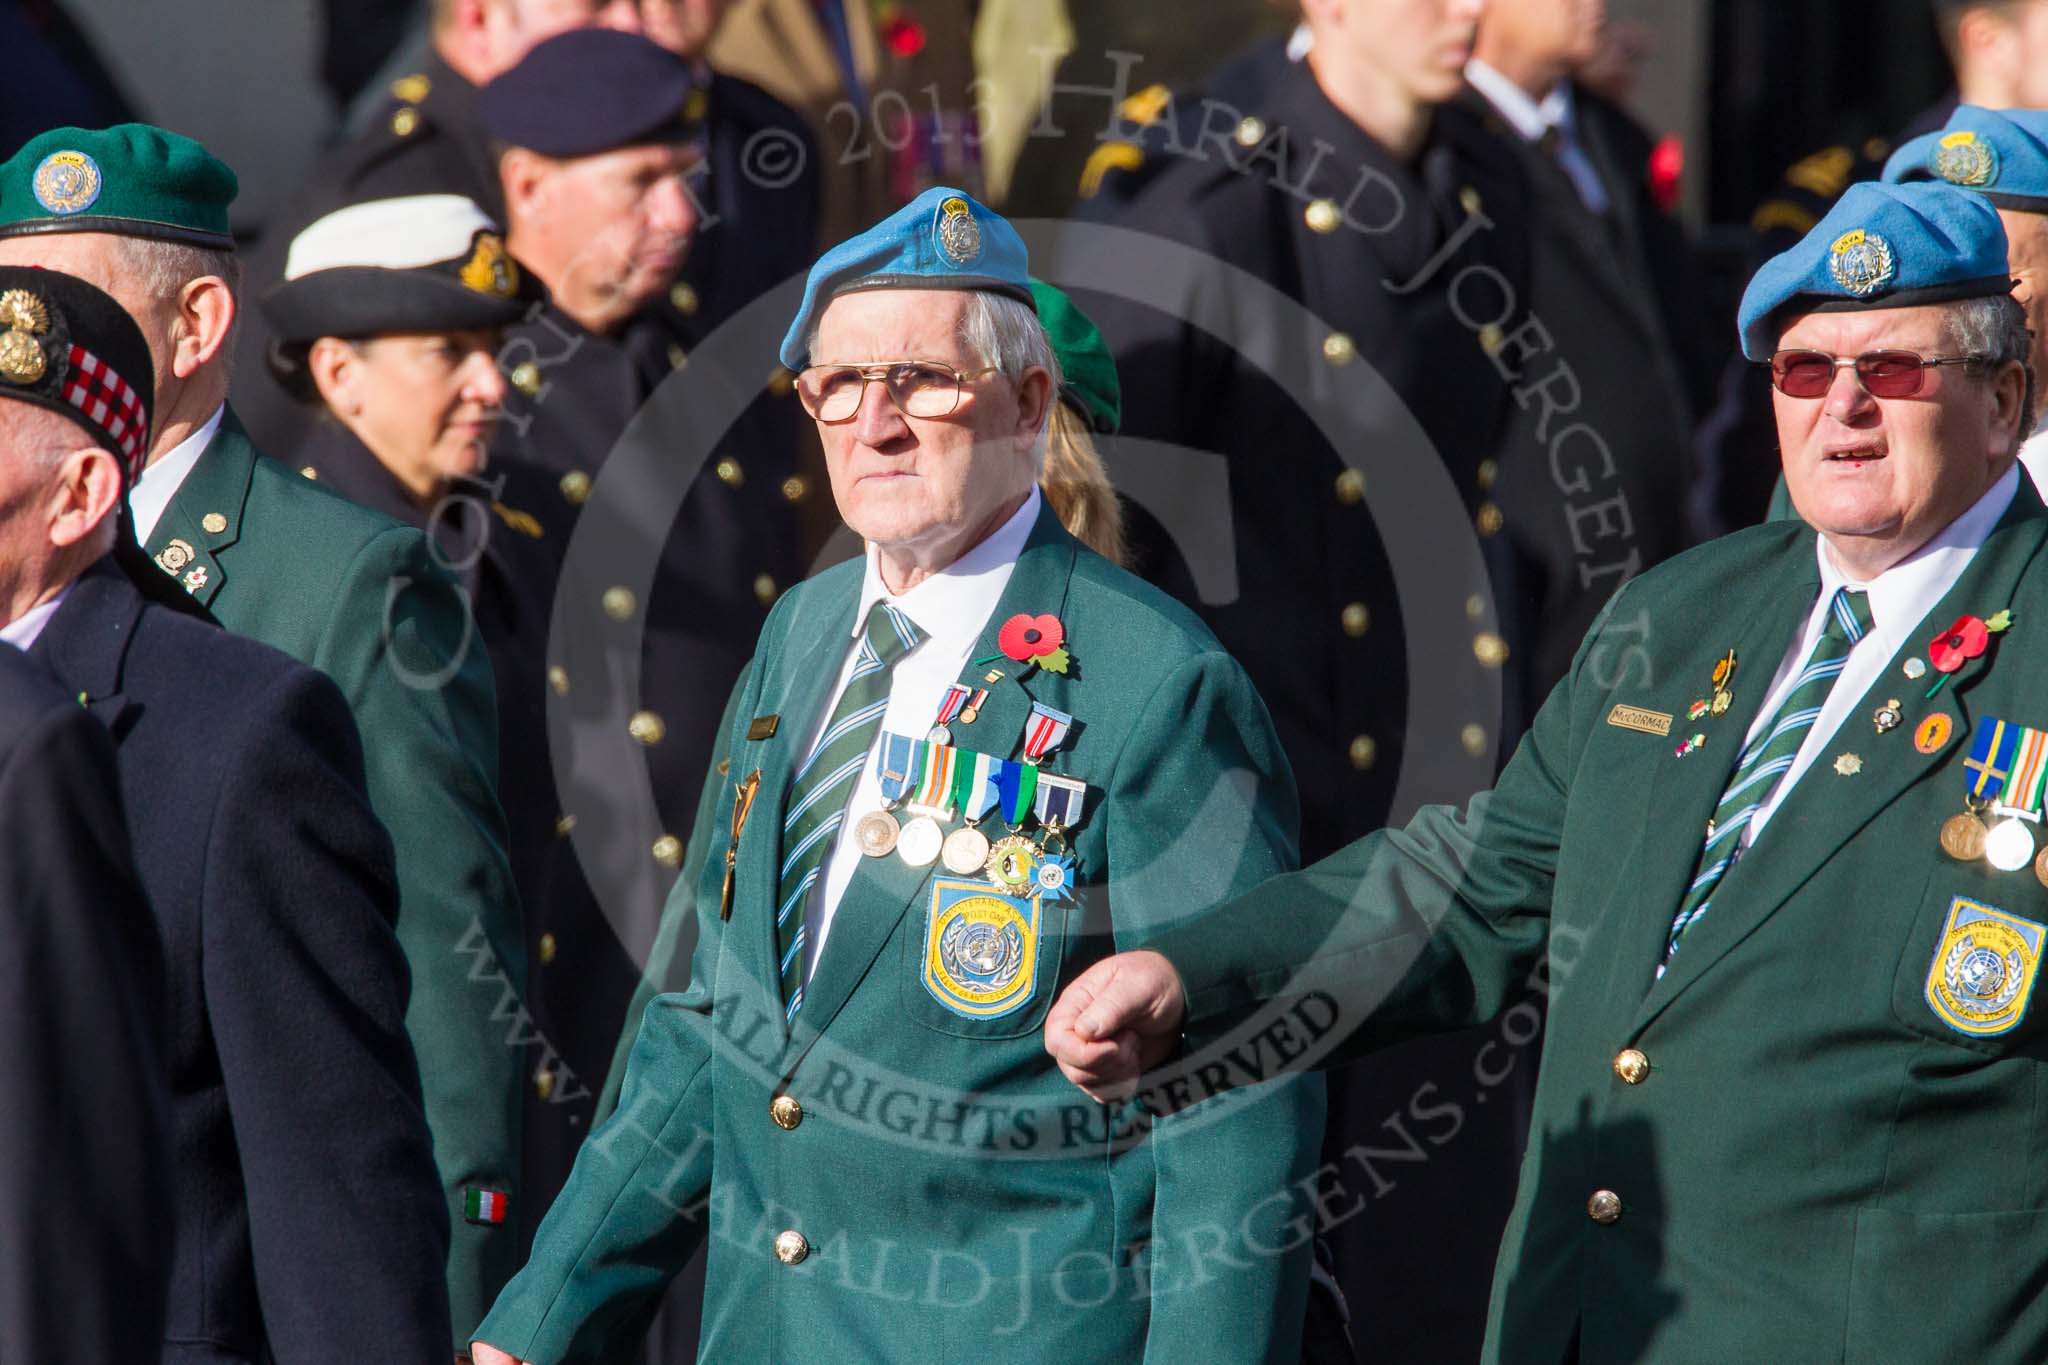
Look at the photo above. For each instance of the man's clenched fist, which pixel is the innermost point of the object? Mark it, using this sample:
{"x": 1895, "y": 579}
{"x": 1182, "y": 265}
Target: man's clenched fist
{"x": 1117, "y": 1020}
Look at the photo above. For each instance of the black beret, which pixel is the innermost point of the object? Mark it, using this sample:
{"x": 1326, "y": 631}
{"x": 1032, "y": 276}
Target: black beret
{"x": 593, "y": 90}
{"x": 423, "y": 263}
{"x": 68, "y": 347}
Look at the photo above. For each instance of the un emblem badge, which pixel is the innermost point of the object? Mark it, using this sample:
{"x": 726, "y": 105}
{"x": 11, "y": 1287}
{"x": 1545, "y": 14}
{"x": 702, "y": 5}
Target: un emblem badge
{"x": 980, "y": 949}
{"x": 1965, "y": 159}
{"x": 959, "y": 234}
{"x": 1862, "y": 263}
{"x": 67, "y": 182}
{"x": 1983, "y": 969}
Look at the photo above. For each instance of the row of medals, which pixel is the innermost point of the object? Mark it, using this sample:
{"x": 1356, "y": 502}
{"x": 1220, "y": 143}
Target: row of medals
{"x": 919, "y": 841}
{"x": 2007, "y": 845}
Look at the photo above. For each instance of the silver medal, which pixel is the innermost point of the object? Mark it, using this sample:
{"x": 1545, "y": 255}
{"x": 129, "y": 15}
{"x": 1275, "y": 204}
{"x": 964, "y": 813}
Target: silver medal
{"x": 965, "y": 851}
{"x": 2009, "y": 846}
{"x": 919, "y": 842}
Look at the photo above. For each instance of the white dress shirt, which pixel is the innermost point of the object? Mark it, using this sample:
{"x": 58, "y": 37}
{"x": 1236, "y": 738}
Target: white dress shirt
{"x": 1900, "y": 599}
{"x": 951, "y": 608}
{"x": 159, "y": 482}
{"x": 1531, "y": 119}
{"x": 22, "y": 631}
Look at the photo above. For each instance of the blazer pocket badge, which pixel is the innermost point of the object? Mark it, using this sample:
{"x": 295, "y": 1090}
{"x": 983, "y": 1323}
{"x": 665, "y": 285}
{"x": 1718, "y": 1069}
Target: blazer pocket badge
{"x": 980, "y": 949}
{"x": 1983, "y": 970}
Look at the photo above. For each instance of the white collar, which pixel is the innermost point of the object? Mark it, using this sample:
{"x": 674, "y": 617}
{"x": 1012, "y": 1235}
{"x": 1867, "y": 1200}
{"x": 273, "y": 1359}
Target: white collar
{"x": 954, "y": 603}
{"x": 1909, "y": 589}
{"x": 160, "y": 481}
{"x": 1530, "y": 118}
{"x": 22, "y": 631}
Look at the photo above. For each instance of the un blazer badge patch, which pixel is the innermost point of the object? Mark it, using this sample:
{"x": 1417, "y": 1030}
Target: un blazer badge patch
{"x": 1983, "y": 970}
{"x": 981, "y": 949}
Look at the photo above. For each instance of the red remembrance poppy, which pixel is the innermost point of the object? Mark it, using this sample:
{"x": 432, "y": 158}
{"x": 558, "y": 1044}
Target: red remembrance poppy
{"x": 904, "y": 35}
{"x": 1961, "y": 642}
{"x": 1024, "y": 637}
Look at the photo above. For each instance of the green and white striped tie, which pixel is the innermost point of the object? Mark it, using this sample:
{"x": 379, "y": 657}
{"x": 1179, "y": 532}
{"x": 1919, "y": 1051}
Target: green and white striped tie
{"x": 818, "y": 793}
{"x": 1764, "y": 764}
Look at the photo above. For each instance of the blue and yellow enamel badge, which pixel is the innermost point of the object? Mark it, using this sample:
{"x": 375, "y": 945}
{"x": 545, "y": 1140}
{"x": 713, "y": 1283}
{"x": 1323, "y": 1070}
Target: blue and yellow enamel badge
{"x": 1983, "y": 970}
{"x": 1963, "y": 158}
{"x": 980, "y": 949}
{"x": 67, "y": 182}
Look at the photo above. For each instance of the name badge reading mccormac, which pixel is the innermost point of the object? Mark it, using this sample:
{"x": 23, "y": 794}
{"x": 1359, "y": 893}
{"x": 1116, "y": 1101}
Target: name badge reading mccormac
{"x": 1636, "y": 718}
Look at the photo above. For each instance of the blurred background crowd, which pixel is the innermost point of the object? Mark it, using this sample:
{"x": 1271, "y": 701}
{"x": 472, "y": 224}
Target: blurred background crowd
{"x": 1615, "y": 170}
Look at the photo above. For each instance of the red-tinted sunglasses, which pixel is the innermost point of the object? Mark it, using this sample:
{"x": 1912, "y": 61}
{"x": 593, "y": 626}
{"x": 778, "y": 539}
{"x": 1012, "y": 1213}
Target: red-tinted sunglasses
{"x": 1885, "y": 374}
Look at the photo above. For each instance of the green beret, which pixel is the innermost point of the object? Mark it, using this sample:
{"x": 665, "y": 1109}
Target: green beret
{"x": 132, "y": 178}
{"x": 1088, "y": 368}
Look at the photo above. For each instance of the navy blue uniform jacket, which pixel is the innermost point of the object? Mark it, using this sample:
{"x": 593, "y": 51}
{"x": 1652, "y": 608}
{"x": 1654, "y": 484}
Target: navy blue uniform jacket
{"x": 309, "y": 1216}
{"x": 85, "y": 1138}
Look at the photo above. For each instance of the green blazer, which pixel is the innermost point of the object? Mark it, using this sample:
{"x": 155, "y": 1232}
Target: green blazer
{"x": 956, "y": 1199}
{"x": 1815, "y": 1165}
{"x": 278, "y": 558}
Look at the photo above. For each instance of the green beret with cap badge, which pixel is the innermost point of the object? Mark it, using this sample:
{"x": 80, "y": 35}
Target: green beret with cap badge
{"x": 133, "y": 179}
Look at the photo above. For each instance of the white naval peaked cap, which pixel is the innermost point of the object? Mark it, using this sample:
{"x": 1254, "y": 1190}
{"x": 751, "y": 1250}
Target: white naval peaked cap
{"x": 389, "y": 234}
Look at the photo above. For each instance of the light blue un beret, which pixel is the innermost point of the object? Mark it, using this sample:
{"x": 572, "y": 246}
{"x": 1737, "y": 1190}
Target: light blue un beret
{"x": 1880, "y": 246}
{"x": 2001, "y": 154}
{"x": 943, "y": 239}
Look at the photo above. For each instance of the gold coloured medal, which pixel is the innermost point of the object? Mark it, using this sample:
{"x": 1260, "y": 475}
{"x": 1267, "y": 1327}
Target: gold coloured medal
{"x": 1012, "y": 864}
{"x": 1963, "y": 837}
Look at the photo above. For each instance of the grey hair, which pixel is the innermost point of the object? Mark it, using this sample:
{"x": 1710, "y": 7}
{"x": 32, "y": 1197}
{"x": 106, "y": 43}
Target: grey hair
{"x": 163, "y": 269}
{"x": 1995, "y": 328}
{"x": 1008, "y": 337}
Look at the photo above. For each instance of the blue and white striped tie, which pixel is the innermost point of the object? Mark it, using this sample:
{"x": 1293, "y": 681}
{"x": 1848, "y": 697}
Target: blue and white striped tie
{"x": 1764, "y": 763}
{"x": 818, "y": 793}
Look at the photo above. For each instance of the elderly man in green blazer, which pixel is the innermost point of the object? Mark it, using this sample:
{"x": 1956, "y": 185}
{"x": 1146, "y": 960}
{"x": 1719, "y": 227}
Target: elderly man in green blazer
{"x": 957, "y": 770}
{"x": 143, "y": 213}
{"x": 1779, "y": 831}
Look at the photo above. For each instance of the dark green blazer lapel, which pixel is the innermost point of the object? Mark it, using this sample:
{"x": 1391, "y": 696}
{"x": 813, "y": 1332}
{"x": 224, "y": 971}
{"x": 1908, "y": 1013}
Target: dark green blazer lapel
{"x": 213, "y": 494}
{"x": 883, "y": 889}
{"x": 1652, "y": 877}
{"x": 798, "y": 686}
{"x": 1825, "y": 810}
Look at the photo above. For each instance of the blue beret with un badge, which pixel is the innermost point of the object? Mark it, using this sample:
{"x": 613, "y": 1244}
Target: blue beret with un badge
{"x": 943, "y": 239}
{"x": 1880, "y": 246}
{"x": 2000, "y": 154}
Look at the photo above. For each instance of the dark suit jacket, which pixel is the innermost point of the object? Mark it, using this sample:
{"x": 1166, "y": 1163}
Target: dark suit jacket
{"x": 309, "y": 1218}
{"x": 1313, "y": 611}
{"x": 1617, "y": 296}
{"x": 85, "y": 1138}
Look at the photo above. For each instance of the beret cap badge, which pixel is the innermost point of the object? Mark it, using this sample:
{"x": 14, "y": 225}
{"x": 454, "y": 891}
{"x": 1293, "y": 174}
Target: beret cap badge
{"x": 67, "y": 182}
{"x": 21, "y": 355}
{"x": 1963, "y": 158}
{"x": 1862, "y": 263}
{"x": 959, "y": 234}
